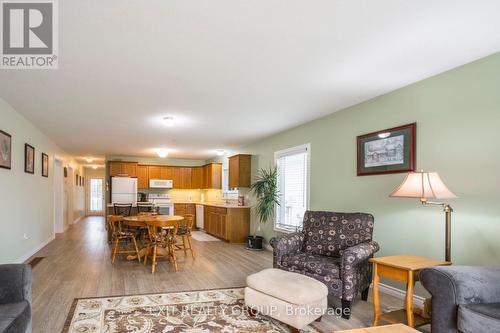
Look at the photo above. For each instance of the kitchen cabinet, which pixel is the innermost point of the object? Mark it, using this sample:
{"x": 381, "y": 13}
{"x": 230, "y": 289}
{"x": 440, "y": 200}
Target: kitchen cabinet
{"x": 166, "y": 172}
{"x": 203, "y": 177}
{"x": 230, "y": 224}
{"x": 154, "y": 172}
{"x": 142, "y": 177}
{"x": 212, "y": 176}
{"x": 240, "y": 170}
{"x": 119, "y": 168}
{"x": 184, "y": 209}
{"x": 197, "y": 177}
{"x": 185, "y": 175}
{"x": 176, "y": 177}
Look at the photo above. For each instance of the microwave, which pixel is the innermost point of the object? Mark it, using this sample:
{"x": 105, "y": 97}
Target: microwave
{"x": 161, "y": 183}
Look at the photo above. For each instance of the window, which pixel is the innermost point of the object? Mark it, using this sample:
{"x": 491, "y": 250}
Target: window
{"x": 96, "y": 194}
{"x": 227, "y": 193}
{"x": 293, "y": 184}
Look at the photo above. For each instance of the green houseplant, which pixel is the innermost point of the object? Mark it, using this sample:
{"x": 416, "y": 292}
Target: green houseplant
{"x": 265, "y": 190}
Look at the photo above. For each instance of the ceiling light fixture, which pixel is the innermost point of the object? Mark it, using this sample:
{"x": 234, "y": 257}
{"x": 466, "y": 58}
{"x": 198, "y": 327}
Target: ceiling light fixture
{"x": 94, "y": 167}
{"x": 384, "y": 135}
{"x": 89, "y": 159}
{"x": 168, "y": 121}
{"x": 162, "y": 153}
{"x": 220, "y": 152}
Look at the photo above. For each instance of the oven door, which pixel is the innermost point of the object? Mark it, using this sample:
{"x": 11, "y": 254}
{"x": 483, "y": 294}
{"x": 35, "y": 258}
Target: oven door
{"x": 166, "y": 209}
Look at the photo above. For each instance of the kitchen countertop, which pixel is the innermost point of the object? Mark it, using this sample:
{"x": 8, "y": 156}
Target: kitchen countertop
{"x": 213, "y": 204}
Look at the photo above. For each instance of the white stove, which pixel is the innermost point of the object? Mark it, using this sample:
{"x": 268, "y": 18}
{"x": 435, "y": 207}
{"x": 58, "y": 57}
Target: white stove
{"x": 163, "y": 202}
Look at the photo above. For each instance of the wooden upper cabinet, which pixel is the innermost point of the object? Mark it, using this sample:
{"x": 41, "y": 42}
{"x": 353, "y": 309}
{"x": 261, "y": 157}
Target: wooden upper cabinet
{"x": 154, "y": 172}
{"x": 213, "y": 176}
{"x": 118, "y": 168}
{"x": 185, "y": 174}
{"x": 197, "y": 177}
{"x": 240, "y": 170}
{"x": 130, "y": 169}
{"x": 176, "y": 177}
{"x": 166, "y": 172}
{"x": 142, "y": 177}
{"x": 115, "y": 168}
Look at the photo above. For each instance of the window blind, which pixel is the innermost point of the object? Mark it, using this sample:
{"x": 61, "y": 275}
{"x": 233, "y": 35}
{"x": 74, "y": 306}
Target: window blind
{"x": 293, "y": 187}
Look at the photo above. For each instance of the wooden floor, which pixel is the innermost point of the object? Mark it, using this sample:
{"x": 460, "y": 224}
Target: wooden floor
{"x": 77, "y": 264}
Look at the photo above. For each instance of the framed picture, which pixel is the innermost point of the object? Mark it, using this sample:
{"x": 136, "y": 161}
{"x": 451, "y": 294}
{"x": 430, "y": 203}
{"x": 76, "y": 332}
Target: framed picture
{"x": 65, "y": 172}
{"x": 77, "y": 180}
{"x": 29, "y": 158}
{"x": 45, "y": 165}
{"x": 388, "y": 151}
{"x": 5, "y": 150}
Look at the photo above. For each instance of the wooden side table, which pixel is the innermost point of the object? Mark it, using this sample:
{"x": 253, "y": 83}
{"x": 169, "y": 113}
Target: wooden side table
{"x": 396, "y": 328}
{"x": 403, "y": 268}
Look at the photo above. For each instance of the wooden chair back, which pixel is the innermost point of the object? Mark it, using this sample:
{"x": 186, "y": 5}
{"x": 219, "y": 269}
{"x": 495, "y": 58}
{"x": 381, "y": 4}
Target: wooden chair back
{"x": 162, "y": 231}
{"x": 122, "y": 209}
{"x": 114, "y": 223}
{"x": 144, "y": 208}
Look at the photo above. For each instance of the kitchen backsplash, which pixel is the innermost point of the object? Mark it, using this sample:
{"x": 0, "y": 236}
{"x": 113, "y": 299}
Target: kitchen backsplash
{"x": 197, "y": 195}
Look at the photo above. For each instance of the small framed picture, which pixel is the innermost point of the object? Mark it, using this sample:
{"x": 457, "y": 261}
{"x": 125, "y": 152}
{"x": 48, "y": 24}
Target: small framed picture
{"x": 45, "y": 165}
{"x": 29, "y": 158}
{"x": 387, "y": 151}
{"x": 77, "y": 180}
{"x": 5, "y": 150}
{"x": 65, "y": 172}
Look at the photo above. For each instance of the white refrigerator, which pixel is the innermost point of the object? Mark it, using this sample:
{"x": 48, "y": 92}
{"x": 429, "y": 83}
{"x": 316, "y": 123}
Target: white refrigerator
{"x": 124, "y": 190}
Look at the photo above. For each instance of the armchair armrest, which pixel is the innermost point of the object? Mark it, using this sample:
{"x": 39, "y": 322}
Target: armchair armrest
{"x": 355, "y": 269}
{"x": 454, "y": 285}
{"x": 15, "y": 283}
{"x": 358, "y": 253}
{"x": 286, "y": 244}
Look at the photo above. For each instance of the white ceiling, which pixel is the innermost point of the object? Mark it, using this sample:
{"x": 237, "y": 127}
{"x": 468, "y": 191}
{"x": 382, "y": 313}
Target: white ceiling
{"x": 233, "y": 71}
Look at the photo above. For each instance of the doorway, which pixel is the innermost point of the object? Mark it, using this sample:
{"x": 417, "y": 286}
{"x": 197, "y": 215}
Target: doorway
{"x": 95, "y": 196}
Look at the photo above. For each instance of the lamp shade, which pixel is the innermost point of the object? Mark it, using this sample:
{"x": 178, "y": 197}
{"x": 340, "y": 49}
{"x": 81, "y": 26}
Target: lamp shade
{"x": 423, "y": 185}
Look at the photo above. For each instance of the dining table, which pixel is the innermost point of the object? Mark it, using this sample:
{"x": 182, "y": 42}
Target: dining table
{"x": 148, "y": 219}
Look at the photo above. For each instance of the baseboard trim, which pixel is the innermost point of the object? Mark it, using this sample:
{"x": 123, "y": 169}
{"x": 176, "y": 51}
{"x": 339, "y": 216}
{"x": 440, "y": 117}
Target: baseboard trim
{"x": 77, "y": 220}
{"x": 33, "y": 251}
{"x": 418, "y": 301}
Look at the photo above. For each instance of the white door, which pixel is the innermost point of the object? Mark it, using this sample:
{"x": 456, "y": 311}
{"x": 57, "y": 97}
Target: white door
{"x": 96, "y": 196}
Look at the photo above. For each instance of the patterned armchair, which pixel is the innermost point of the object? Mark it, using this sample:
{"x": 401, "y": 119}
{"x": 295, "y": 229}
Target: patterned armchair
{"x": 333, "y": 248}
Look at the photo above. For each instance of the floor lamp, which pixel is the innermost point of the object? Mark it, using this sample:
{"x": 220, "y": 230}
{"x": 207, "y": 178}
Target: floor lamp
{"x": 425, "y": 186}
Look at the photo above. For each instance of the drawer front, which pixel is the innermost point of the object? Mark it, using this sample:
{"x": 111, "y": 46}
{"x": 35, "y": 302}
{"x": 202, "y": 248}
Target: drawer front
{"x": 221, "y": 210}
{"x": 392, "y": 273}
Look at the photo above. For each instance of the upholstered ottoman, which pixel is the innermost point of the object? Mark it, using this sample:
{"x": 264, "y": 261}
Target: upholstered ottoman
{"x": 294, "y": 299}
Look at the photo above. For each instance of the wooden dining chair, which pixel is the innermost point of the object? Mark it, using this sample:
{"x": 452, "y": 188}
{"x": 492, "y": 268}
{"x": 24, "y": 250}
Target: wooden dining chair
{"x": 120, "y": 235}
{"x": 144, "y": 207}
{"x": 162, "y": 238}
{"x": 184, "y": 231}
{"x": 122, "y": 209}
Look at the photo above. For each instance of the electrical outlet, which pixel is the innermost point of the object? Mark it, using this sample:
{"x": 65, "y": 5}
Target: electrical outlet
{"x": 25, "y": 236}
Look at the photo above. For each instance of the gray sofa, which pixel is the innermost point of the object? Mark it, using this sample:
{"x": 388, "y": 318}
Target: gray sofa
{"x": 465, "y": 299}
{"x": 15, "y": 298}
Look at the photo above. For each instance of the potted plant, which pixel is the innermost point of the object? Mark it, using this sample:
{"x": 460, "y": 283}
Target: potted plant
{"x": 265, "y": 190}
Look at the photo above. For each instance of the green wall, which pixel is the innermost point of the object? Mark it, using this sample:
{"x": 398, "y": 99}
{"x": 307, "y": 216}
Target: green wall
{"x": 27, "y": 200}
{"x": 458, "y": 135}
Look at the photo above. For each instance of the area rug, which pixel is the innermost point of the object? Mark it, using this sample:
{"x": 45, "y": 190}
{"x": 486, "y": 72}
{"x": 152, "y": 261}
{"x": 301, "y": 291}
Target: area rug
{"x": 220, "y": 310}
{"x": 201, "y": 236}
